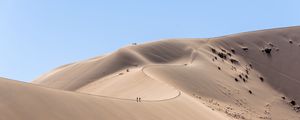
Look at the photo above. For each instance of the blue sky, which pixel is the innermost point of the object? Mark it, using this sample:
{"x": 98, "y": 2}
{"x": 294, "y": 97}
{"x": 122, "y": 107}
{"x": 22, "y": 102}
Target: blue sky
{"x": 39, "y": 35}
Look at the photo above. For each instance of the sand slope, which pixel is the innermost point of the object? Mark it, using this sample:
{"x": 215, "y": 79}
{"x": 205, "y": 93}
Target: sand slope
{"x": 23, "y": 101}
{"x": 251, "y": 75}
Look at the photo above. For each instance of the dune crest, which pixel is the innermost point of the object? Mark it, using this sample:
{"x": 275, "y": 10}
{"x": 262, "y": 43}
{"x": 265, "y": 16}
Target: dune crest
{"x": 251, "y": 75}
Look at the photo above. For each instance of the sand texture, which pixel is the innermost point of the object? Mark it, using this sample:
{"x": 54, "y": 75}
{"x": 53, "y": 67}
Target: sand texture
{"x": 245, "y": 76}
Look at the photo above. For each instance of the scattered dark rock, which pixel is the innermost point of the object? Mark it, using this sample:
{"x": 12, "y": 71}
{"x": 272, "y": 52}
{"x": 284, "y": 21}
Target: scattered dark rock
{"x": 247, "y": 71}
{"x": 127, "y": 70}
{"x": 229, "y": 54}
{"x": 185, "y": 64}
{"x": 213, "y": 50}
{"x": 250, "y": 65}
{"x": 233, "y": 61}
{"x": 277, "y": 49}
{"x": 236, "y": 79}
{"x": 283, "y": 98}
{"x": 245, "y": 48}
{"x": 250, "y": 91}
{"x": 244, "y": 80}
{"x": 290, "y": 41}
{"x": 121, "y": 73}
{"x": 293, "y": 102}
{"x": 271, "y": 44}
{"x": 216, "y": 58}
{"x": 240, "y": 76}
{"x": 219, "y": 68}
{"x": 261, "y": 79}
{"x": 268, "y": 50}
{"x": 246, "y": 76}
{"x": 297, "y": 109}
{"x": 223, "y": 50}
{"x": 233, "y": 51}
{"x": 222, "y": 55}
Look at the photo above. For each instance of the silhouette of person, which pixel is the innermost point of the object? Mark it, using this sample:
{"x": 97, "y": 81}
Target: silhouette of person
{"x": 137, "y": 99}
{"x": 140, "y": 99}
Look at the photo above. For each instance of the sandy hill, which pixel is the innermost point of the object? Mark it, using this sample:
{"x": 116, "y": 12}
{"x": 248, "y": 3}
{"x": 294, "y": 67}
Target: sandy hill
{"x": 252, "y": 75}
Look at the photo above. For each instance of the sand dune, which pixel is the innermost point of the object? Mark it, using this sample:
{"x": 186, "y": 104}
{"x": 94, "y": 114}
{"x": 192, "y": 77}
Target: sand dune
{"x": 23, "y": 101}
{"x": 252, "y": 75}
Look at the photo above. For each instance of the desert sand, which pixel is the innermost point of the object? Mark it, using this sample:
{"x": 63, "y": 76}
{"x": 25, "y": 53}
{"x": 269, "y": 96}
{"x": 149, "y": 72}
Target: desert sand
{"x": 245, "y": 76}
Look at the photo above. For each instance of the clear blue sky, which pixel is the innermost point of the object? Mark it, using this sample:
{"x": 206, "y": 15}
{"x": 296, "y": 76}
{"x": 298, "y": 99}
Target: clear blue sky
{"x": 39, "y": 35}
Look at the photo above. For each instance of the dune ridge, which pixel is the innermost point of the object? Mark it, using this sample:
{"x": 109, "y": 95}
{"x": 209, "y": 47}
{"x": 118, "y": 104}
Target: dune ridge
{"x": 250, "y": 75}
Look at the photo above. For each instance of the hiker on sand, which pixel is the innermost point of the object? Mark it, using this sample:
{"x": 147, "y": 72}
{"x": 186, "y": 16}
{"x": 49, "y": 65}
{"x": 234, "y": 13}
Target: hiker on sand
{"x": 137, "y": 99}
{"x": 140, "y": 100}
